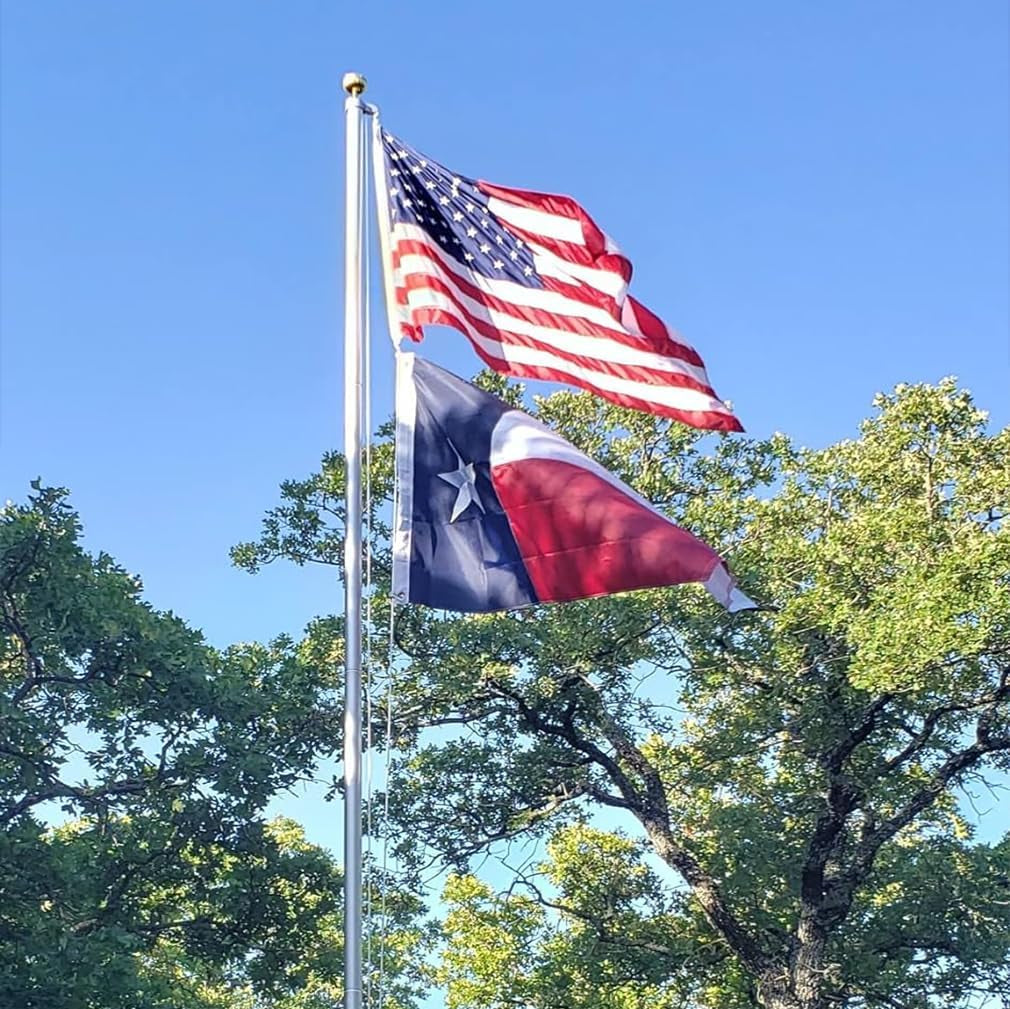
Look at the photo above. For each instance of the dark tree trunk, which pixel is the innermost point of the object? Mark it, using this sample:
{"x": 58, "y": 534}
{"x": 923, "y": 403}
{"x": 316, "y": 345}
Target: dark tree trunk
{"x": 807, "y": 967}
{"x": 777, "y": 991}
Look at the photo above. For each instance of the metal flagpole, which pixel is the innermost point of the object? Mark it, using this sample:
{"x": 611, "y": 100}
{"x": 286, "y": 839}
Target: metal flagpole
{"x": 354, "y": 216}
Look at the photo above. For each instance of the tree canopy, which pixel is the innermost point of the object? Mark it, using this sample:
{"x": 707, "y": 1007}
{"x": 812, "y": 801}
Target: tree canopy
{"x": 758, "y": 809}
{"x": 683, "y": 807}
{"x": 137, "y": 868}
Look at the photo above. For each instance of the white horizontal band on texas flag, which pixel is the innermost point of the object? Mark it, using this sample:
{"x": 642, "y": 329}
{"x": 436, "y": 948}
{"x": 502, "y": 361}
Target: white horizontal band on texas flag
{"x": 495, "y": 510}
{"x": 538, "y": 289}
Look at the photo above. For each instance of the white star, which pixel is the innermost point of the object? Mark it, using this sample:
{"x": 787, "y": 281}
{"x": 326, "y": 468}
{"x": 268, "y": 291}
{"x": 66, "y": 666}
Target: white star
{"x": 430, "y": 184}
{"x": 471, "y": 232}
{"x": 528, "y": 271}
{"x": 464, "y": 479}
{"x": 469, "y": 207}
{"x": 457, "y": 216}
{"x": 444, "y": 200}
{"x": 513, "y": 255}
{"x": 485, "y": 248}
{"x": 468, "y": 256}
{"x": 499, "y": 239}
{"x": 497, "y": 264}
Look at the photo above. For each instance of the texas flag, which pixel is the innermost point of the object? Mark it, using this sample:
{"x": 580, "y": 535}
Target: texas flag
{"x": 494, "y": 510}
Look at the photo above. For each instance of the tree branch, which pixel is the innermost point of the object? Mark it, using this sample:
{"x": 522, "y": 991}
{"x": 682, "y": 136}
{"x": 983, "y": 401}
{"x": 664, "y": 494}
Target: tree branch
{"x": 59, "y": 790}
{"x": 922, "y": 737}
{"x": 845, "y": 886}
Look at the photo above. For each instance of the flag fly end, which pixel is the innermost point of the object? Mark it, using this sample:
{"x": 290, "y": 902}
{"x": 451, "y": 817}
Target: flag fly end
{"x": 722, "y": 585}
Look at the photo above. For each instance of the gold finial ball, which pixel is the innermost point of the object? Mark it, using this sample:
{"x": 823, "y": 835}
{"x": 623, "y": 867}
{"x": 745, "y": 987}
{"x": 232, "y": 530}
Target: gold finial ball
{"x": 353, "y": 83}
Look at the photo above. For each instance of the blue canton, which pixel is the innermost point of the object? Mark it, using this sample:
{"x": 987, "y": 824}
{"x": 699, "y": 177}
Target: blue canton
{"x": 454, "y": 213}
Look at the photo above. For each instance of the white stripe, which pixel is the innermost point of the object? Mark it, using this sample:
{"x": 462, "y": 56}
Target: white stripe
{"x": 518, "y": 294}
{"x": 406, "y": 416}
{"x": 550, "y": 264}
{"x": 611, "y": 284}
{"x": 534, "y": 297}
{"x": 673, "y": 397}
{"x": 539, "y": 222}
{"x": 506, "y": 290}
{"x": 543, "y": 222}
{"x": 593, "y": 347}
{"x": 518, "y": 436}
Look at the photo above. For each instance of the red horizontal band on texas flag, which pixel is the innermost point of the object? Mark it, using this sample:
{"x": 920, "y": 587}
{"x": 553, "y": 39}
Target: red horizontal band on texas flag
{"x": 581, "y": 536}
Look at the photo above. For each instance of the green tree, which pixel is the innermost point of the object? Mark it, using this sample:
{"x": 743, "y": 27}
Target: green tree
{"x": 136, "y": 866}
{"x": 790, "y": 780}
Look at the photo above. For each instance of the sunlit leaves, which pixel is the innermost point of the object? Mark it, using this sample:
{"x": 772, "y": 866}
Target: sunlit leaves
{"x": 877, "y": 660}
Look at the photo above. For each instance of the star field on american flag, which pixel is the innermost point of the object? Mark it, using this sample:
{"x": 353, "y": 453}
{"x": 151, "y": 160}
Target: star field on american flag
{"x": 454, "y": 212}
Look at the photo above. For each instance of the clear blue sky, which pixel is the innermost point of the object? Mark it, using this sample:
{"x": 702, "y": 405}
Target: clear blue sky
{"x": 816, "y": 195}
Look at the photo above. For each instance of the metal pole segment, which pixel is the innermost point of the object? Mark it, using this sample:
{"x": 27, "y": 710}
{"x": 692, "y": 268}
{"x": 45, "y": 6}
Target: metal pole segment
{"x": 353, "y": 84}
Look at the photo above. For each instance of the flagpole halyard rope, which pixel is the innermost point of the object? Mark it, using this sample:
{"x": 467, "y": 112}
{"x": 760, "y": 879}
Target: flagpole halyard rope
{"x": 380, "y": 191}
{"x": 387, "y": 757}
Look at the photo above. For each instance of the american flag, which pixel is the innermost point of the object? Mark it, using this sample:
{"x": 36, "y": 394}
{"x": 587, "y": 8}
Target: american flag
{"x": 538, "y": 289}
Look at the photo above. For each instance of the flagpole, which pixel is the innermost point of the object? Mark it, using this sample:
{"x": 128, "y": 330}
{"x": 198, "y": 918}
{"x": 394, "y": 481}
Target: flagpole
{"x": 354, "y": 214}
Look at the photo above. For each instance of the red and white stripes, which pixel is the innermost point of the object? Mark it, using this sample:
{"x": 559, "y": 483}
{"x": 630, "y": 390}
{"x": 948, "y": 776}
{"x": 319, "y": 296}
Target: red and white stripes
{"x": 576, "y": 324}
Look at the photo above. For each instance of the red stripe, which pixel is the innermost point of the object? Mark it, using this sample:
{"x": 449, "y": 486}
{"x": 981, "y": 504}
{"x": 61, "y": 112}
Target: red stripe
{"x": 632, "y": 372}
{"x": 425, "y": 281}
{"x": 660, "y": 335}
{"x": 584, "y": 294}
{"x": 580, "y": 536}
{"x": 569, "y": 252}
{"x": 708, "y": 420}
{"x": 593, "y": 254}
{"x": 595, "y": 249}
{"x": 541, "y": 317}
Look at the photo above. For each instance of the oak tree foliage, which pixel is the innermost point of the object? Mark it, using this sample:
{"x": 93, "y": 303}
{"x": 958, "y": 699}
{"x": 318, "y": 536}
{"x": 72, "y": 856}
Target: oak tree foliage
{"x": 138, "y": 867}
{"x": 759, "y": 809}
